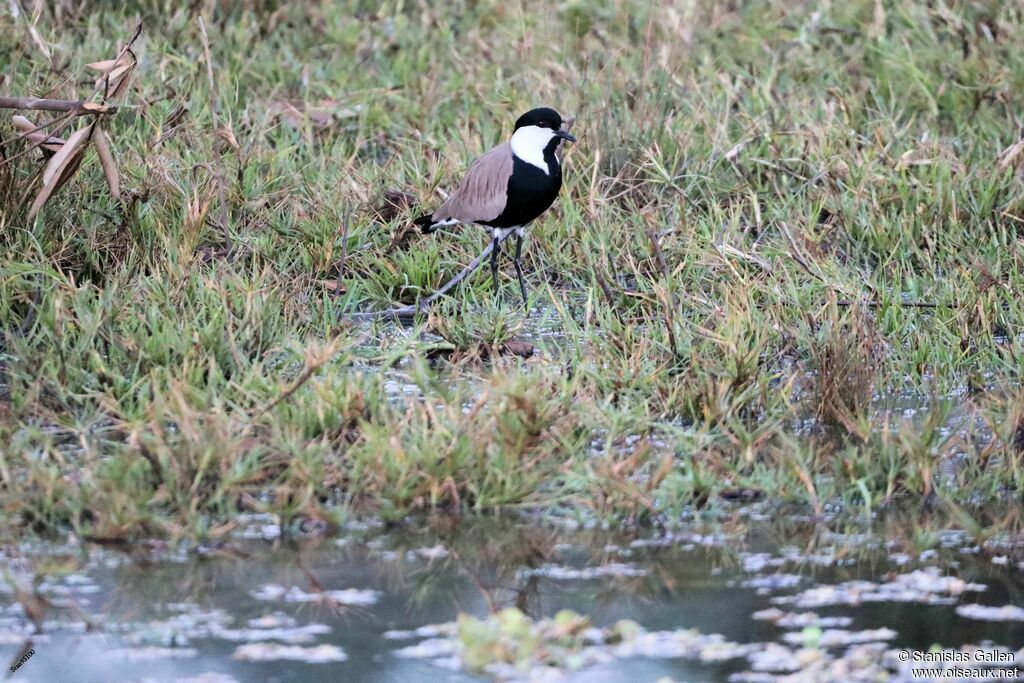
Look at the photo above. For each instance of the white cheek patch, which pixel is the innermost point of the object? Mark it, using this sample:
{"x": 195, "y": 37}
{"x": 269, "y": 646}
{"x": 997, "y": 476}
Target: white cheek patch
{"x": 528, "y": 144}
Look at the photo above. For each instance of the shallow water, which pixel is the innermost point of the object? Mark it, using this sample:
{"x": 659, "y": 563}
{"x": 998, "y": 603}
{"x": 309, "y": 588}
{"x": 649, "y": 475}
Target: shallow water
{"x": 197, "y": 614}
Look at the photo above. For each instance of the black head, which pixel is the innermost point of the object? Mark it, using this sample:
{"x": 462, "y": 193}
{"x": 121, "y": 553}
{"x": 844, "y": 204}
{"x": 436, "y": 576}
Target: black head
{"x": 543, "y": 117}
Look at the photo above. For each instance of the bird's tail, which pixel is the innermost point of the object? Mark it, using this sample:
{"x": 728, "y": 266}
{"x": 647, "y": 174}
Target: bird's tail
{"x": 426, "y": 223}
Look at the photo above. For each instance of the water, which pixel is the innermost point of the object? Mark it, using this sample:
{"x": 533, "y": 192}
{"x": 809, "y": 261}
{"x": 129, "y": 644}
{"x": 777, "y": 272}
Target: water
{"x": 191, "y": 615}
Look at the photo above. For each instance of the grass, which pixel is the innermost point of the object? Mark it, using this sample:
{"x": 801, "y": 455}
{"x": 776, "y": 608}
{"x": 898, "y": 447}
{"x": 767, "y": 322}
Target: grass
{"x": 720, "y": 295}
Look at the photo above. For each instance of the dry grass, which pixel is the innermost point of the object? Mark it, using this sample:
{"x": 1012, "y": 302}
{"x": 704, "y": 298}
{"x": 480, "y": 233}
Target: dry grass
{"x": 786, "y": 263}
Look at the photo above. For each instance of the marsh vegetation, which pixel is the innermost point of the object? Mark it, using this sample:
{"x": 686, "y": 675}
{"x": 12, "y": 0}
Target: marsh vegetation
{"x": 785, "y": 268}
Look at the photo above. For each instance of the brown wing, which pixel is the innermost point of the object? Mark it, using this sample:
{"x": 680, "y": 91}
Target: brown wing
{"x": 482, "y": 193}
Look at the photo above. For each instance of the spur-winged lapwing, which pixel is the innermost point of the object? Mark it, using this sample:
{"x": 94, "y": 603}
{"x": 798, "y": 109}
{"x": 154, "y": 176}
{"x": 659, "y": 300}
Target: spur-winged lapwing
{"x": 509, "y": 186}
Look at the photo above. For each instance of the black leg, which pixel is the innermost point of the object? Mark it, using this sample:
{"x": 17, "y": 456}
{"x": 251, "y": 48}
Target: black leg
{"x": 494, "y": 262}
{"x": 519, "y": 268}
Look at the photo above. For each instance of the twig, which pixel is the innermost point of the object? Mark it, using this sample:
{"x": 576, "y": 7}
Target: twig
{"x": 669, "y": 300}
{"x": 901, "y": 304}
{"x": 74, "y": 108}
{"x": 65, "y": 122}
{"x": 16, "y": 10}
{"x": 603, "y": 284}
{"x": 42, "y": 126}
{"x": 79, "y": 107}
{"x": 33, "y": 309}
{"x": 219, "y": 176}
{"x": 313, "y": 363}
{"x": 425, "y": 304}
{"x": 795, "y": 253}
{"x": 344, "y": 244}
{"x": 125, "y": 49}
{"x": 660, "y": 257}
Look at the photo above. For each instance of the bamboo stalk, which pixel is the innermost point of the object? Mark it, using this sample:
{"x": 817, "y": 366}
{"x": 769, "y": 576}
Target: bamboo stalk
{"x": 80, "y": 107}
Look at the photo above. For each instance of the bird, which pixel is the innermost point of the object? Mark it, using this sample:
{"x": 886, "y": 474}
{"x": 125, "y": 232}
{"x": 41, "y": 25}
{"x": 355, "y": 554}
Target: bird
{"x": 508, "y": 187}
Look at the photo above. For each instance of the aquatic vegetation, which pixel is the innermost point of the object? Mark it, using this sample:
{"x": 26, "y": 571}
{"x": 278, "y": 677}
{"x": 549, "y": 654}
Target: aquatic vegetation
{"x": 499, "y": 588}
{"x": 510, "y": 644}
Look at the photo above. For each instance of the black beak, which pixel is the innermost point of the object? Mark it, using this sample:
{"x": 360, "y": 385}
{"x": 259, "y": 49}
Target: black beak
{"x": 565, "y": 135}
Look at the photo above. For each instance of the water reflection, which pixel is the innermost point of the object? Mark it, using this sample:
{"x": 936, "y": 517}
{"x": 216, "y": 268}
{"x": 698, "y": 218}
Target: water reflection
{"x": 215, "y": 611}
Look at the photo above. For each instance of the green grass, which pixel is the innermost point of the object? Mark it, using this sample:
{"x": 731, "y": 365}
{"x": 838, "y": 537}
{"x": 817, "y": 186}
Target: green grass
{"x": 755, "y": 195}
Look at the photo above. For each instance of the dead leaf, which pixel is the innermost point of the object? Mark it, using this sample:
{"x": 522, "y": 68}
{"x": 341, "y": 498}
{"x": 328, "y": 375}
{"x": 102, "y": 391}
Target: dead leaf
{"x": 334, "y": 286}
{"x": 102, "y": 143}
{"x": 115, "y": 74}
{"x": 31, "y": 133}
{"x": 402, "y": 237}
{"x": 60, "y": 161}
{"x": 1013, "y": 156}
{"x": 227, "y": 135}
{"x": 61, "y": 167}
{"x": 105, "y": 66}
{"x": 38, "y": 39}
{"x": 22, "y": 123}
{"x": 196, "y": 210}
{"x": 320, "y": 115}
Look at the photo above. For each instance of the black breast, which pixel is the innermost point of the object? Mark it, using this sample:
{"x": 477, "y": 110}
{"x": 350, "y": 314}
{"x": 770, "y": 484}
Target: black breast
{"x": 530, "y": 190}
